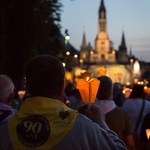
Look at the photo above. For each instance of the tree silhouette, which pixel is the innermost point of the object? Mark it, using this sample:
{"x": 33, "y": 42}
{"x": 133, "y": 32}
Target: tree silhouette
{"x": 27, "y": 28}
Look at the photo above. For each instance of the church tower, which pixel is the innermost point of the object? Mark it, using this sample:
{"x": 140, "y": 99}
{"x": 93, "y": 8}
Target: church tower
{"x": 122, "y": 53}
{"x": 102, "y": 52}
{"x": 84, "y": 51}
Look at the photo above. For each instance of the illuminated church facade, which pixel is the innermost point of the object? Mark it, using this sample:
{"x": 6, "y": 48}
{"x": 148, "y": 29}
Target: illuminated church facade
{"x": 104, "y": 59}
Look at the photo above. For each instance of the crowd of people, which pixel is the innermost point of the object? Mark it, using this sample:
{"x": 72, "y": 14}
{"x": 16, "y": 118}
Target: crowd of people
{"x": 44, "y": 120}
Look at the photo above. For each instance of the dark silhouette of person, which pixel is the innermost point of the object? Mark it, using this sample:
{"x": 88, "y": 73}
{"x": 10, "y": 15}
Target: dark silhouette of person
{"x": 116, "y": 117}
{"x": 118, "y": 96}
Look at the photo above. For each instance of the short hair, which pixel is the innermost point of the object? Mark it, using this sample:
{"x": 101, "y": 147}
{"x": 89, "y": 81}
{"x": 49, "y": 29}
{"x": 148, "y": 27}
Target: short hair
{"x": 117, "y": 86}
{"x": 6, "y": 87}
{"x": 44, "y": 76}
{"x": 105, "y": 88}
{"x": 137, "y": 91}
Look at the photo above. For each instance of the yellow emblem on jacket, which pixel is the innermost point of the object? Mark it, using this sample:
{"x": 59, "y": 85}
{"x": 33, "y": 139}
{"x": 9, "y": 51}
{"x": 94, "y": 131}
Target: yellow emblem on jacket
{"x": 40, "y": 123}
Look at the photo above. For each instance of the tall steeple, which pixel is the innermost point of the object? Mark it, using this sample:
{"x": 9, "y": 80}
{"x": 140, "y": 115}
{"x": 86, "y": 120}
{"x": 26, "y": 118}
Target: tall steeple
{"x": 102, "y": 17}
{"x": 122, "y": 53}
{"x": 84, "y": 51}
{"x": 130, "y": 53}
{"x": 84, "y": 46}
{"x": 102, "y": 10}
{"x": 122, "y": 46}
{"x": 102, "y": 43}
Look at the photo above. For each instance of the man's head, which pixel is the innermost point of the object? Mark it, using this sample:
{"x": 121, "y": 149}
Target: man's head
{"x": 105, "y": 89}
{"x": 137, "y": 91}
{"x": 45, "y": 76}
{"x": 6, "y": 89}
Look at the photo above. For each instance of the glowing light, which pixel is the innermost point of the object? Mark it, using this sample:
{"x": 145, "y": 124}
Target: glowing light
{"x": 128, "y": 83}
{"x": 75, "y": 56}
{"x": 136, "y": 67}
{"x": 127, "y": 92}
{"x": 148, "y": 133}
{"x": 113, "y": 52}
{"x": 91, "y": 52}
{"x": 87, "y": 78}
{"x": 67, "y": 101}
{"x": 140, "y": 82}
{"x": 69, "y": 76}
{"x": 63, "y": 64}
{"x": 85, "y": 75}
{"x": 88, "y": 89}
{"x": 131, "y": 60}
{"x": 147, "y": 89}
{"x": 84, "y": 56}
{"x": 81, "y": 60}
{"x": 67, "y": 37}
{"x": 68, "y": 53}
{"x": 135, "y": 80}
{"x": 101, "y": 71}
{"x": 21, "y": 94}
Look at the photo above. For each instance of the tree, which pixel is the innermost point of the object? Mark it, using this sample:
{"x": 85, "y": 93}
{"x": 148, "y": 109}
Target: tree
{"x": 28, "y": 28}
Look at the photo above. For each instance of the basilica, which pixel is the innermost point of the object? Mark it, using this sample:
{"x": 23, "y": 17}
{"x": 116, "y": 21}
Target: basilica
{"x": 103, "y": 59}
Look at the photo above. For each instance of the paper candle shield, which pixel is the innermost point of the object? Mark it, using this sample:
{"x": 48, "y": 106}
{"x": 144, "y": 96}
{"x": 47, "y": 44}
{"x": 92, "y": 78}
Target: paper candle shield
{"x": 86, "y": 75}
{"x": 88, "y": 89}
{"x": 148, "y": 133}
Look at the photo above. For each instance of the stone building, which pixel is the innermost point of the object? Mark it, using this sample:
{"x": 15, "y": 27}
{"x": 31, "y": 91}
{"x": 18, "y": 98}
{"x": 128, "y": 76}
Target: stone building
{"x": 103, "y": 51}
{"x": 103, "y": 58}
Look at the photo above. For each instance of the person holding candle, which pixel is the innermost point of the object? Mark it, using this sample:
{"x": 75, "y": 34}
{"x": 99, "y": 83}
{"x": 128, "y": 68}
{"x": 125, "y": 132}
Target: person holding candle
{"x": 116, "y": 117}
{"x": 44, "y": 122}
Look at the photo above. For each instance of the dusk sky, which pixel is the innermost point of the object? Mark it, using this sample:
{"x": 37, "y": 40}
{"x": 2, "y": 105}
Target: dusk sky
{"x": 130, "y": 16}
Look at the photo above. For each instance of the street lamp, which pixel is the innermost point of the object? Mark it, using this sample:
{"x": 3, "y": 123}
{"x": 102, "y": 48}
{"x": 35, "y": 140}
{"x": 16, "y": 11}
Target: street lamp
{"x": 67, "y": 53}
{"x": 75, "y": 56}
{"x": 67, "y": 37}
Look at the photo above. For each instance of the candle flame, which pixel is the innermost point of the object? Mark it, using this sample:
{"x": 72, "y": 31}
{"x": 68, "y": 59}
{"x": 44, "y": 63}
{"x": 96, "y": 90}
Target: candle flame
{"x": 87, "y": 78}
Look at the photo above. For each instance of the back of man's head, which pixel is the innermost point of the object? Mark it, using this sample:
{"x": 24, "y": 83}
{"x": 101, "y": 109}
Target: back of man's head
{"x": 45, "y": 76}
{"x": 105, "y": 89}
{"x": 6, "y": 88}
{"x": 137, "y": 91}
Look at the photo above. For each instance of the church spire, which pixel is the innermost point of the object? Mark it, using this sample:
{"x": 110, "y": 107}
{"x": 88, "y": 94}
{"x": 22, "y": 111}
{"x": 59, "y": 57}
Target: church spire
{"x": 123, "y": 43}
{"x": 102, "y": 18}
{"x": 84, "y": 46}
{"x": 122, "y": 46}
{"x": 130, "y": 54}
{"x": 102, "y": 10}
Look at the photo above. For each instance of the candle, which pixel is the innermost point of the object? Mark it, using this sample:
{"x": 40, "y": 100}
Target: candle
{"x": 148, "y": 133}
{"x": 85, "y": 75}
{"x": 88, "y": 89}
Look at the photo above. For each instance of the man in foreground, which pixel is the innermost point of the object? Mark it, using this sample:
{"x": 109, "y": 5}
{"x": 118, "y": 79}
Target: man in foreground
{"x": 44, "y": 122}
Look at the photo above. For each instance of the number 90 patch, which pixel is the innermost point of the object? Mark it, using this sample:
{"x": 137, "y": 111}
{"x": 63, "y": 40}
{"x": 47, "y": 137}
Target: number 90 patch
{"x": 33, "y": 131}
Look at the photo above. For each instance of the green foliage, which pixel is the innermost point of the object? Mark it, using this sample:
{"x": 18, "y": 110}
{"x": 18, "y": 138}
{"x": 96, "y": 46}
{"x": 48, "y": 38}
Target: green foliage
{"x": 28, "y": 28}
